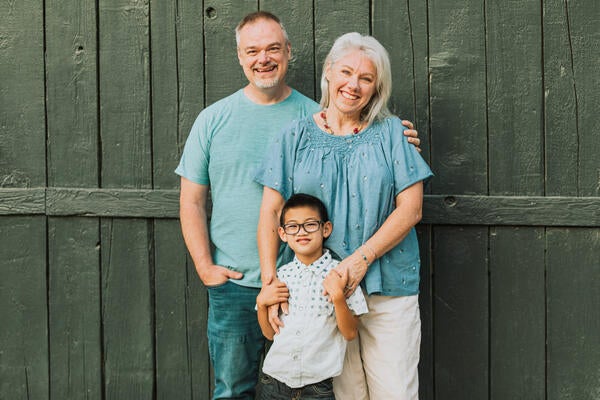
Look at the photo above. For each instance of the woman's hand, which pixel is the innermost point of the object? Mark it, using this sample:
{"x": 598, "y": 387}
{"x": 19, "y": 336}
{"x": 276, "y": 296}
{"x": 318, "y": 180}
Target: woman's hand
{"x": 356, "y": 268}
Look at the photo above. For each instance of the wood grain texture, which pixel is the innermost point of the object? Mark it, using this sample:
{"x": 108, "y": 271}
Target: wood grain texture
{"x": 461, "y": 319}
{"x": 297, "y": 18}
{"x": 457, "y": 82}
{"x": 517, "y": 313}
{"x": 22, "y": 201}
{"x": 22, "y": 110}
{"x": 514, "y": 98}
{"x": 573, "y": 301}
{"x": 23, "y": 308}
{"x": 223, "y": 73}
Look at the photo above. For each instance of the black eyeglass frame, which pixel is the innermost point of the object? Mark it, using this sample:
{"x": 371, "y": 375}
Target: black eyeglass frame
{"x": 303, "y": 226}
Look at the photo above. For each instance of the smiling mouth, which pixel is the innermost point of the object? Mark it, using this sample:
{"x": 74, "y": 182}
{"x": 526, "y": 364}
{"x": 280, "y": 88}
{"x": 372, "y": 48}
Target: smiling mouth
{"x": 349, "y": 96}
{"x": 266, "y": 69}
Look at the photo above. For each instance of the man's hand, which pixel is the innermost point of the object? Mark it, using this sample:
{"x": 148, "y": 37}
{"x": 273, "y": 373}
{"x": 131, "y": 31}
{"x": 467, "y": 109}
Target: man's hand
{"x": 411, "y": 134}
{"x": 273, "y": 309}
{"x": 274, "y": 293}
{"x": 214, "y": 275}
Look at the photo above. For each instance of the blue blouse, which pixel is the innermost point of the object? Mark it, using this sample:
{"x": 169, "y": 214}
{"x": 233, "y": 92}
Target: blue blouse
{"x": 357, "y": 177}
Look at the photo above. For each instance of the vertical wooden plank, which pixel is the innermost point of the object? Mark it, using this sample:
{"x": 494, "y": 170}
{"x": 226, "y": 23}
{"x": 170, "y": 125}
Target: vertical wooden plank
{"x": 402, "y": 29}
{"x": 571, "y": 50}
{"x": 74, "y": 261}
{"x": 22, "y": 137}
{"x": 515, "y": 98}
{"x": 461, "y": 312}
{"x": 517, "y": 313}
{"x": 426, "y": 363}
{"x": 74, "y": 301}
{"x": 573, "y": 302}
{"x": 458, "y": 96}
{"x": 459, "y": 158}
{"x": 332, "y": 19}
{"x": 517, "y": 334}
{"x": 23, "y": 310}
{"x": 222, "y": 69}
{"x": 297, "y": 18}
{"x": 182, "y": 366}
{"x": 127, "y": 270}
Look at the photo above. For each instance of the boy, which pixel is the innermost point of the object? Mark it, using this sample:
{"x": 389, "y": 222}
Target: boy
{"x": 310, "y": 348}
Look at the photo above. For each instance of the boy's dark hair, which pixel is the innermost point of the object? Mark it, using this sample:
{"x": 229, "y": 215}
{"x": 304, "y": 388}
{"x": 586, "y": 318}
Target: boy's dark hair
{"x": 304, "y": 200}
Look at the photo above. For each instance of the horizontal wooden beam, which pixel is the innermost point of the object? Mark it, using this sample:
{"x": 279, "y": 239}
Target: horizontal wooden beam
{"x": 437, "y": 209}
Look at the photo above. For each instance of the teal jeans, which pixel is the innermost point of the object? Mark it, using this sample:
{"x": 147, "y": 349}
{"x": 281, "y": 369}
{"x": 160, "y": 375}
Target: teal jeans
{"x": 235, "y": 340}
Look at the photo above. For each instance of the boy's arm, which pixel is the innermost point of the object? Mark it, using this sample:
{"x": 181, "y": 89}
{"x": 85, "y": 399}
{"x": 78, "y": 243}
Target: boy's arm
{"x": 272, "y": 293}
{"x": 347, "y": 322}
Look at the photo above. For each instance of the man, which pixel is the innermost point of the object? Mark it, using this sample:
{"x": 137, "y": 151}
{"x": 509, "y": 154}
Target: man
{"x": 225, "y": 146}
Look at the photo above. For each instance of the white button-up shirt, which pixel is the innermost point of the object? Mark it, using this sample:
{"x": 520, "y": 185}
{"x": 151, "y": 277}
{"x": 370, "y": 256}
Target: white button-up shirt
{"x": 309, "y": 347}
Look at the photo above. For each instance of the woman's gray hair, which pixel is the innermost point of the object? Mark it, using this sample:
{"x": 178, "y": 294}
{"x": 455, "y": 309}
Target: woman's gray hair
{"x": 377, "y": 107}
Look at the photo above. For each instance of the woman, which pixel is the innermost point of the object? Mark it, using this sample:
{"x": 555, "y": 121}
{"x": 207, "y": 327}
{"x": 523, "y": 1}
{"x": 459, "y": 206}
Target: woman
{"x": 352, "y": 156}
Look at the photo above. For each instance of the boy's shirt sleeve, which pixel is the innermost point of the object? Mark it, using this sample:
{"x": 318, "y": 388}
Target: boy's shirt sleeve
{"x": 357, "y": 302}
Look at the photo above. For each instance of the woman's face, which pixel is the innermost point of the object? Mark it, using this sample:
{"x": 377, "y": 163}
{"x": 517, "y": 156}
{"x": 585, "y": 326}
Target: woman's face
{"x": 352, "y": 82}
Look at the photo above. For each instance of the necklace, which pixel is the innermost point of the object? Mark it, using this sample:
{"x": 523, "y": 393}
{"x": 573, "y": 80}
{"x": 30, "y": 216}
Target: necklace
{"x": 323, "y": 116}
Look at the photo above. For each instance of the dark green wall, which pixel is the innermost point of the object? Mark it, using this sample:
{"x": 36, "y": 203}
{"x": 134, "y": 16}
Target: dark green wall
{"x": 98, "y": 298}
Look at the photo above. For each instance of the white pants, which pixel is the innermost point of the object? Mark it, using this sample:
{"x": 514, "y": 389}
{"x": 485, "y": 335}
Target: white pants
{"x": 381, "y": 364}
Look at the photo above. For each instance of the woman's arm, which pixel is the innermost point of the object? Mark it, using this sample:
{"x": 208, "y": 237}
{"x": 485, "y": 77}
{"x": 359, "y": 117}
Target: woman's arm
{"x": 268, "y": 247}
{"x": 408, "y": 213}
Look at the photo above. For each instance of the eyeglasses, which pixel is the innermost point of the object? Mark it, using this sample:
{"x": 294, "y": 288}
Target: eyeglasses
{"x": 308, "y": 226}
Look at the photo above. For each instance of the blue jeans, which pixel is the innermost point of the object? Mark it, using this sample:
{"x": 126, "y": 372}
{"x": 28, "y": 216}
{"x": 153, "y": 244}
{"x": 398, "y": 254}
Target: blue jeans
{"x": 235, "y": 341}
{"x": 272, "y": 389}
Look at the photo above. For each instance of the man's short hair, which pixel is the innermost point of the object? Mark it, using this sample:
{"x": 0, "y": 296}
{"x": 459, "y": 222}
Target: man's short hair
{"x": 255, "y": 16}
{"x": 304, "y": 200}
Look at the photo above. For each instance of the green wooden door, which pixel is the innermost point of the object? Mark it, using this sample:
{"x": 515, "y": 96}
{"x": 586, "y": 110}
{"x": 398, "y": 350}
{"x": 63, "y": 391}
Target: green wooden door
{"x": 99, "y": 299}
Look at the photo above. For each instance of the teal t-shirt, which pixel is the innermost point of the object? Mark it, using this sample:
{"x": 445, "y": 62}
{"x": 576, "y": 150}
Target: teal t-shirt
{"x": 357, "y": 177}
{"x": 226, "y": 144}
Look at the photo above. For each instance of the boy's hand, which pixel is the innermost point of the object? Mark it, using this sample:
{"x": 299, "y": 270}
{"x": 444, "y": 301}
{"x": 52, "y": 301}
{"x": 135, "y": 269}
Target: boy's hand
{"x": 272, "y": 293}
{"x": 335, "y": 284}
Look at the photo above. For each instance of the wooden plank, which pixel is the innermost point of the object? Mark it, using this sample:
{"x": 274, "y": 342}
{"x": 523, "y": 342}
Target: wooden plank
{"x": 332, "y": 18}
{"x": 461, "y": 316}
{"x": 74, "y": 304}
{"x": 23, "y": 310}
{"x": 127, "y": 269}
{"x": 72, "y": 104}
{"x": 512, "y": 210}
{"x": 113, "y": 202}
{"x": 73, "y": 243}
{"x": 514, "y": 98}
{"x": 297, "y": 18}
{"x": 125, "y": 94}
{"x": 127, "y": 312}
{"x": 517, "y": 313}
{"x": 573, "y": 301}
{"x": 571, "y": 43}
{"x": 584, "y": 47}
{"x": 15, "y": 201}
{"x": 182, "y": 367}
{"x": 427, "y": 360}
{"x": 402, "y": 29}
{"x": 223, "y": 73}
{"x": 458, "y": 97}
{"x": 22, "y": 137}
{"x": 182, "y": 363}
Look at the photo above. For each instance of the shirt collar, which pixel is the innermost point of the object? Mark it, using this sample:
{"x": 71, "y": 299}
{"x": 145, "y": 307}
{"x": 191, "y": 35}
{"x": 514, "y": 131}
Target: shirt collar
{"x": 320, "y": 265}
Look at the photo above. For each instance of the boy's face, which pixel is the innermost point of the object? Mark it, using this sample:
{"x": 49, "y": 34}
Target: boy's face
{"x": 308, "y": 246}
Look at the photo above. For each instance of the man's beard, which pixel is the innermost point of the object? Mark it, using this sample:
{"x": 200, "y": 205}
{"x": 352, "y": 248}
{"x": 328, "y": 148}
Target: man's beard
{"x": 266, "y": 83}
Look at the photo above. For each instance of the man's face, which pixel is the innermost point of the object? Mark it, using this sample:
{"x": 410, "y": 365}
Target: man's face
{"x": 263, "y": 53}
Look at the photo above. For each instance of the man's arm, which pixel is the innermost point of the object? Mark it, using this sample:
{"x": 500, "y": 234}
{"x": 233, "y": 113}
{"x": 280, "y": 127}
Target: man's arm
{"x": 273, "y": 293}
{"x": 194, "y": 225}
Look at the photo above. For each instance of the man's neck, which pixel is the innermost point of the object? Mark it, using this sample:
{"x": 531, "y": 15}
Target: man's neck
{"x": 272, "y": 95}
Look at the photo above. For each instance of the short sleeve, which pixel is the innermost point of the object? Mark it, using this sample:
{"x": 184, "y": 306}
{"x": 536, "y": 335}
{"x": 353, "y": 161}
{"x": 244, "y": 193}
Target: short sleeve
{"x": 194, "y": 160}
{"x": 407, "y": 164}
{"x": 357, "y": 302}
{"x": 277, "y": 168}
